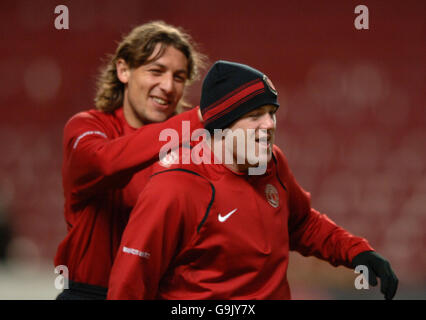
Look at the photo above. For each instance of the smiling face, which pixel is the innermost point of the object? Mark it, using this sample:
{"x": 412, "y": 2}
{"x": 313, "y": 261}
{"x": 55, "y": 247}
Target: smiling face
{"x": 256, "y": 130}
{"x": 153, "y": 90}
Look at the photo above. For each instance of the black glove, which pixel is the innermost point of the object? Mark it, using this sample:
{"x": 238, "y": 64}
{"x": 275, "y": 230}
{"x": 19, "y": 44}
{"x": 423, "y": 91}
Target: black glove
{"x": 378, "y": 267}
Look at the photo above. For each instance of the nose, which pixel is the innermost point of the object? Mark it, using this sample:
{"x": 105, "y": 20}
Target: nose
{"x": 167, "y": 83}
{"x": 268, "y": 121}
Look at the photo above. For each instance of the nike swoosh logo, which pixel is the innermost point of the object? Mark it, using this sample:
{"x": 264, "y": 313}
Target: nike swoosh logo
{"x": 224, "y": 218}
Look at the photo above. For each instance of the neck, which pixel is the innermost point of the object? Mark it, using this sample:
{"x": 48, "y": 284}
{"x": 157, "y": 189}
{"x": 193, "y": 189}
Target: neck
{"x": 226, "y": 157}
{"x": 131, "y": 119}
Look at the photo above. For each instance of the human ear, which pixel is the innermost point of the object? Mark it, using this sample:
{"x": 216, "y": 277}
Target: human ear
{"x": 123, "y": 70}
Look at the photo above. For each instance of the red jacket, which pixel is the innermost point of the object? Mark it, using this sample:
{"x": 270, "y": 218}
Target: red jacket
{"x": 205, "y": 232}
{"x": 101, "y": 155}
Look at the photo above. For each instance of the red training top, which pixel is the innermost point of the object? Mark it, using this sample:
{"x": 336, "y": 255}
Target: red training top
{"x": 102, "y": 153}
{"x": 206, "y": 232}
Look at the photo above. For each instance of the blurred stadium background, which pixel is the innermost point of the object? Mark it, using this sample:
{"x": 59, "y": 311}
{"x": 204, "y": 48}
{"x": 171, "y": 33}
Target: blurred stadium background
{"x": 352, "y": 122}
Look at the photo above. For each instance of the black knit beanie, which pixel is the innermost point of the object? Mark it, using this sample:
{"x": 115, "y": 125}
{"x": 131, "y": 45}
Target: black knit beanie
{"x": 231, "y": 90}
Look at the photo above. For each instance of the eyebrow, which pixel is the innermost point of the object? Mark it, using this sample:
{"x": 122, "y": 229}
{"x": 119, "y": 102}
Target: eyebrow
{"x": 162, "y": 66}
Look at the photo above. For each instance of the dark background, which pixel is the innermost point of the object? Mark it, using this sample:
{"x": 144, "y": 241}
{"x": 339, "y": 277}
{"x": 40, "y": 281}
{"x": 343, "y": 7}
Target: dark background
{"x": 352, "y": 120}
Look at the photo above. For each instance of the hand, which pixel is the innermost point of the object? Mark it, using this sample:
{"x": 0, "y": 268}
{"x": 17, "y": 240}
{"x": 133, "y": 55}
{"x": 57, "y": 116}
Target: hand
{"x": 378, "y": 267}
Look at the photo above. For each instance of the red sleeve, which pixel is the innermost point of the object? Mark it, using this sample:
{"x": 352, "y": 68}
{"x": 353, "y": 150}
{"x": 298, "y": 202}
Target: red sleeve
{"x": 314, "y": 234}
{"x": 161, "y": 224}
{"x": 94, "y": 160}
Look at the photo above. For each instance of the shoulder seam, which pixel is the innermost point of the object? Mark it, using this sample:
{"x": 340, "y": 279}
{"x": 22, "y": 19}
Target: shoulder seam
{"x": 206, "y": 214}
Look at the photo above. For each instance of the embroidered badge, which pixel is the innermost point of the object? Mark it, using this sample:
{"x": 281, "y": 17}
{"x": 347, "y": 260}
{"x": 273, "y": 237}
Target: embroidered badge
{"x": 170, "y": 158}
{"x": 272, "y": 195}
{"x": 270, "y": 84}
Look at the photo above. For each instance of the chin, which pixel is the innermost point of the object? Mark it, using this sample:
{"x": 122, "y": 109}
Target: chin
{"x": 159, "y": 116}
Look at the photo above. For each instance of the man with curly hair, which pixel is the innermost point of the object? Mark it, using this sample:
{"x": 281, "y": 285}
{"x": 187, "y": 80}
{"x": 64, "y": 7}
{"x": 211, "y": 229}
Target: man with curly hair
{"x": 108, "y": 150}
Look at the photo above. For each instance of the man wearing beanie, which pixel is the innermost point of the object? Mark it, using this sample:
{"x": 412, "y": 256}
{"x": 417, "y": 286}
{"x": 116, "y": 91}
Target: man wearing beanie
{"x": 211, "y": 230}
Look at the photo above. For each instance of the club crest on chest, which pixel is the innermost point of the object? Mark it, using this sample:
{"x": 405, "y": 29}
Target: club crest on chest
{"x": 272, "y": 195}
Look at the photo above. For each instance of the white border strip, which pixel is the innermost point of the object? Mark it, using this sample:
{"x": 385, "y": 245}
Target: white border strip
{"x": 86, "y": 134}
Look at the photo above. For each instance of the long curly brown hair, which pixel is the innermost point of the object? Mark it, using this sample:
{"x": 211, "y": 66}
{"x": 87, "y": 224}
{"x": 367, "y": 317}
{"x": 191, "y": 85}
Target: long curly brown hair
{"x": 135, "y": 48}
